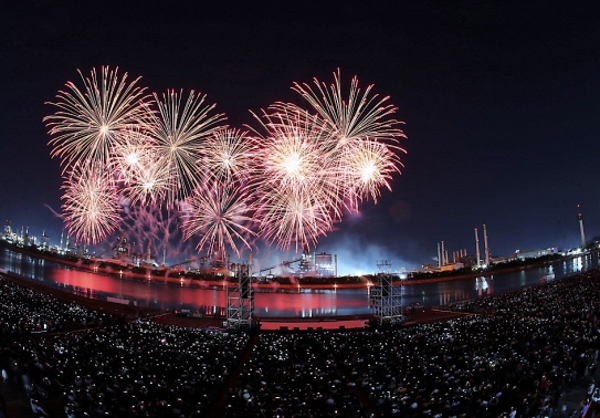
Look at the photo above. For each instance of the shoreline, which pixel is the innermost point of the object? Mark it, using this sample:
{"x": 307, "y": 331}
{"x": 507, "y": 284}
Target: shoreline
{"x": 331, "y": 284}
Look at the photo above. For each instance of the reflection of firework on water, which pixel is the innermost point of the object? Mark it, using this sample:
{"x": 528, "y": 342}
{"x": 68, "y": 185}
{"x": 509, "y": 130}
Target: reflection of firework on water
{"x": 292, "y": 178}
{"x": 88, "y": 122}
{"x": 219, "y": 214}
{"x": 180, "y": 134}
{"x": 90, "y": 205}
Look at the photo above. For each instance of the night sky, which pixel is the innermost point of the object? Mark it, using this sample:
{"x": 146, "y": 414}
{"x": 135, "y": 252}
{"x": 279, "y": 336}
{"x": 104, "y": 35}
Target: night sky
{"x": 501, "y": 102}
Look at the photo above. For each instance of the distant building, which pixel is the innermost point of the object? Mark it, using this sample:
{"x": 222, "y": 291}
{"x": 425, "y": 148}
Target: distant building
{"x": 45, "y": 241}
{"x": 325, "y": 264}
{"x": 525, "y": 254}
{"x": 450, "y": 267}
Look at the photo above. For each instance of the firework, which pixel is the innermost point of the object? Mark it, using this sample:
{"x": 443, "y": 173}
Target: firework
{"x": 90, "y": 204}
{"x": 88, "y": 122}
{"x": 295, "y": 183}
{"x": 370, "y": 167}
{"x": 297, "y": 219}
{"x": 357, "y": 117}
{"x": 291, "y": 179}
{"x": 179, "y": 136}
{"x": 227, "y": 154}
{"x": 135, "y": 162}
{"x": 157, "y": 226}
{"x": 361, "y": 134}
{"x": 219, "y": 213}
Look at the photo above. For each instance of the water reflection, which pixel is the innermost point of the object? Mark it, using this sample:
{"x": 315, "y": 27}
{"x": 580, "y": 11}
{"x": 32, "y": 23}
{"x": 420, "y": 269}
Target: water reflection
{"x": 301, "y": 302}
{"x": 484, "y": 286}
{"x": 577, "y": 264}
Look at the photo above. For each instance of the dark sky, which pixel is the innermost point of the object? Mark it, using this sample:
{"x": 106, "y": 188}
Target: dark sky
{"x": 501, "y": 102}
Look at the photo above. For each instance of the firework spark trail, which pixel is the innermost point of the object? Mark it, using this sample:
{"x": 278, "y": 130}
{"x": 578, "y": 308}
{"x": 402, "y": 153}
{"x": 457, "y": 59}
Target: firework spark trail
{"x": 90, "y": 204}
{"x": 350, "y": 125}
{"x": 88, "y": 122}
{"x": 227, "y": 154}
{"x": 360, "y": 116}
{"x": 151, "y": 224}
{"x": 294, "y": 220}
{"x": 135, "y": 163}
{"x": 295, "y": 184}
{"x": 370, "y": 167}
{"x": 180, "y": 134}
{"x": 220, "y": 213}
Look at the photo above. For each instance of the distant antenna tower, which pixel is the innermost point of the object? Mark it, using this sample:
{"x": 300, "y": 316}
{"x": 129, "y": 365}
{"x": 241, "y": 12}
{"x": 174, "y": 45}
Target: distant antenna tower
{"x": 581, "y": 231}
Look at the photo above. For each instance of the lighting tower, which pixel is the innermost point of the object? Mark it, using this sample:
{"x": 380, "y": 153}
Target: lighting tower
{"x": 581, "y": 231}
{"x": 240, "y": 297}
{"x": 385, "y": 298}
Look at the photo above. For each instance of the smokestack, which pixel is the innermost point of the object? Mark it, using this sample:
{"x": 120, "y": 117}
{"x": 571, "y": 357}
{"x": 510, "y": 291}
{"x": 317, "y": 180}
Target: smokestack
{"x": 477, "y": 248}
{"x": 485, "y": 243}
{"x": 581, "y": 231}
{"x": 443, "y": 255}
{"x": 439, "y": 255}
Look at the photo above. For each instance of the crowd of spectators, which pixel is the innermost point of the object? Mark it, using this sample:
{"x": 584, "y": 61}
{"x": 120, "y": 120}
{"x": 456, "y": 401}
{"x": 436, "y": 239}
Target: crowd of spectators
{"x": 23, "y": 311}
{"x": 295, "y": 373}
{"x": 511, "y": 355}
{"x": 513, "y": 359}
{"x": 117, "y": 368}
{"x": 143, "y": 369}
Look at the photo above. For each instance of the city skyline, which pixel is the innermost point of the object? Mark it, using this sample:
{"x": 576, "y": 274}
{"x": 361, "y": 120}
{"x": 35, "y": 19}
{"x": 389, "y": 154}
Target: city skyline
{"x": 499, "y": 103}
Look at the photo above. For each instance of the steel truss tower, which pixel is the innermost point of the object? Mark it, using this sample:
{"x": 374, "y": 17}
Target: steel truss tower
{"x": 385, "y": 298}
{"x": 240, "y": 298}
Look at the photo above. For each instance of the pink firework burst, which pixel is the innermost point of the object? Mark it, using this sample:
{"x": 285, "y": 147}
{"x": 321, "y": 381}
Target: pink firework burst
{"x": 351, "y": 124}
{"x": 90, "y": 203}
{"x": 295, "y": 183}
{"x": 227, "y": 154}
{"x": 88, "y": 122}
{"x": 136, "y": 165}
{"x": 370, "y": 166}
{"x": 220, "y": 215}
{"x": 179, "y": 135}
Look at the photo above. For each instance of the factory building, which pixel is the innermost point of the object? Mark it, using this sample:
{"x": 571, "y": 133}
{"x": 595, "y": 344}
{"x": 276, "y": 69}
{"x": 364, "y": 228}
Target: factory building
{"x": 525, "y": 254}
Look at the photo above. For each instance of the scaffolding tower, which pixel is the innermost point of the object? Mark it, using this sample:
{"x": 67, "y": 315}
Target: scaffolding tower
{"x": 385, "y": 298}
{"x": 240, "y": 298}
